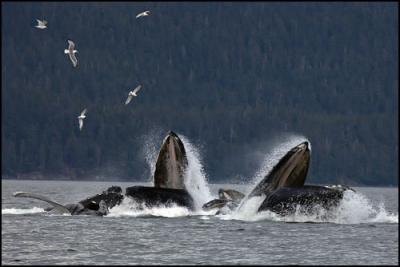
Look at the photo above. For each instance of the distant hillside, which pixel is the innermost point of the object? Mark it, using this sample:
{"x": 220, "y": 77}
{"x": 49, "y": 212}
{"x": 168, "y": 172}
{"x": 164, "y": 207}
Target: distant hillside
{"x": 234, "y": 78}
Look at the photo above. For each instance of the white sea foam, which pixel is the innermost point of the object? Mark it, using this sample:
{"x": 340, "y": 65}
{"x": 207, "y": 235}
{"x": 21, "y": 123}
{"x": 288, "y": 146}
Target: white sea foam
{"x": 130, "y": 207}
{"x": 195, "y": 177}
{"x": 247, "y": 211}
{"x": 22, "y": 211}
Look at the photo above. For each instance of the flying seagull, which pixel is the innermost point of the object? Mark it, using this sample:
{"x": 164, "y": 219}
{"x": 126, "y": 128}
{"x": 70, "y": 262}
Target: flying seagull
{"x": 143, "y": 14}
{"x": 81, "y": 117}
{"x": 132, "y": 94}
{"x": 71, "y": 52}
{"x": 41, "y": 24}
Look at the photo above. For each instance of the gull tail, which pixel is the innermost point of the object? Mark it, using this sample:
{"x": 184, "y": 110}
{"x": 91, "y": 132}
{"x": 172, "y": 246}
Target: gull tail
{"x": 57, "y": 206}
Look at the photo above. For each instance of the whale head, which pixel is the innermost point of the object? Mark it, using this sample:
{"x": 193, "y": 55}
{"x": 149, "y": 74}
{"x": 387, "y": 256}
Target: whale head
{"x": 291, "y": 171}
{"x": 171, "y": 163}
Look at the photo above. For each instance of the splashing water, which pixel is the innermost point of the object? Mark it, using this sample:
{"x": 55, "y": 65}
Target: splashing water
{"x": 22, "y": 211}
{"x": 150, "y": 150}
{"x": 195, "y": 179}
{"x": 247, "y": 212}
{"x": 356, "y": 208}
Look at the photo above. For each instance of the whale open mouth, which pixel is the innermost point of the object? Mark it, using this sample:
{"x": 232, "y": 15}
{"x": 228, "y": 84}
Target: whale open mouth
{"x": 171, "y": 164}
{"x": 291, "y": 171}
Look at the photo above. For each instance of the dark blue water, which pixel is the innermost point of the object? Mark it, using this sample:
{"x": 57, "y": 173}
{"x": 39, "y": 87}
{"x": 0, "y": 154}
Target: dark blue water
{"x": 364, "y": 230}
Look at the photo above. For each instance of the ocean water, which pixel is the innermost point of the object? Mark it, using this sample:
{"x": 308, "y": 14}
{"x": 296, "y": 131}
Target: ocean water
{"x": 363, "y": 230}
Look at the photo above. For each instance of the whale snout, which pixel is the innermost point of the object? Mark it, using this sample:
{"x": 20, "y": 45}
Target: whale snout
{"x": 172, "y": 134}
{"x": 305, "y": 145}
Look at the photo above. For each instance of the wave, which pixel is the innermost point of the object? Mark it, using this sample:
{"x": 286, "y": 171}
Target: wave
{"x": 22, "y": 211}
{"x": 355, "y": 208}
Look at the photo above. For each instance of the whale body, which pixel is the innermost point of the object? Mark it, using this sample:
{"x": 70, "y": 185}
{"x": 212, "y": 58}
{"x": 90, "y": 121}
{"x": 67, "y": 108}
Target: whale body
{"x": 95, "y": 205}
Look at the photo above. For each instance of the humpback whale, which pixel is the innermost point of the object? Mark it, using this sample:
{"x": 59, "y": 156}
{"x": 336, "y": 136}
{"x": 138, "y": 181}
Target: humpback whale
{"x": 227, "y": 197}
{"x": 169, "y": 186}
{"x": 283, "y": 187}
{"x": 169, "y": 174}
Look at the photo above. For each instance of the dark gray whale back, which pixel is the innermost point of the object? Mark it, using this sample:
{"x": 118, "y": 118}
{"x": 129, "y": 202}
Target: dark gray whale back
{"x": 111, "y": 197}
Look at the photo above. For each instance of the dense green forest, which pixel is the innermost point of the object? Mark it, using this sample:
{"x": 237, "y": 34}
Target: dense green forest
{"x": 233, "y": 78}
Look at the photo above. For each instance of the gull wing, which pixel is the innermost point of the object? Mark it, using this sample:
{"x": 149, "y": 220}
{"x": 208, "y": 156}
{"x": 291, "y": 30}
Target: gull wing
{"x": 128, "y": 99}
{"x": 57, "y": 206}
{"x": 39, "y": 21}
{"x": 142, "y": 14}
{"x": 44, "y": 22}
{"x": 137, "y": 89}
{"x": 80, "y": 123}
{"x": 83, "y": 112}
{"x": 73, "y": 59}
{"x": 71, "y": 45}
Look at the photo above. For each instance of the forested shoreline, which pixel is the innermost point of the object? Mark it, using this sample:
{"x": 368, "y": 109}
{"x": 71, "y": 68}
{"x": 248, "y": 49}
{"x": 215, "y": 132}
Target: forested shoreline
{"x": 233, "y": 78}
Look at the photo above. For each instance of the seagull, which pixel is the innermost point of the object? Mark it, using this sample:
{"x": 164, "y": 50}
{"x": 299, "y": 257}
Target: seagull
{"x": 143, "y": 14}
{"x": 132, "y": 94}
{"x": 81, "y": 117}
{"x": 41, "y": 24}
{"x": 71, "y": 52}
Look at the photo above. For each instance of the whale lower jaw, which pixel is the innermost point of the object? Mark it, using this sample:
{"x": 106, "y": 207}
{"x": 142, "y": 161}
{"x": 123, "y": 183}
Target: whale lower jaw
{"x": 305, "y": 199}
{"x": 154, "y": 196}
